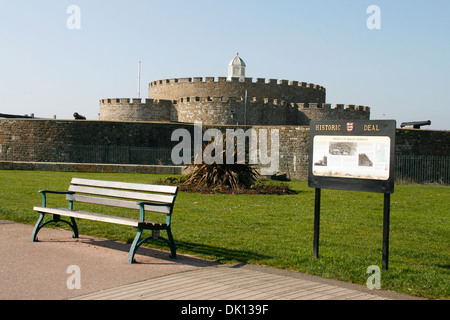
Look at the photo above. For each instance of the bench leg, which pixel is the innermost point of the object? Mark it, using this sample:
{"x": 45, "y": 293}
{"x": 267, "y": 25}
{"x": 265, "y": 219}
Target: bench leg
{"x": 74, "y": 227}
{"x": 56, "y": 218}
{"x": 37, "y": 227}
{"x": 135, "y": 245}
{"x": 138, "y": 241}
{"x": 173, "y": 250}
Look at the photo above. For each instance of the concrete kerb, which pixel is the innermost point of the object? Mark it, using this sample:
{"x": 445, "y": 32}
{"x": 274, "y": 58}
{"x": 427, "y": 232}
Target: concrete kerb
{"x": 91, "y": 167}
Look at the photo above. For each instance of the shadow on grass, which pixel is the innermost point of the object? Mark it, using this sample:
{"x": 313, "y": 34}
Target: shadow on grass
{"x": 219, "y": 254}
{"x": 213, "y": 254}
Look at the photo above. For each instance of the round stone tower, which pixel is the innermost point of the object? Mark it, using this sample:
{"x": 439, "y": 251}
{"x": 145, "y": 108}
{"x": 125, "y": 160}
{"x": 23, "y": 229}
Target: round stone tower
{"x": 231, "y": 100}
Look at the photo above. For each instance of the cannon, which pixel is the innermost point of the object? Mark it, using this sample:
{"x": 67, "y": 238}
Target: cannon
{"x": 415, "y": 124}
{"x": 4, "y": 115}
{"x": 79, "y": 116}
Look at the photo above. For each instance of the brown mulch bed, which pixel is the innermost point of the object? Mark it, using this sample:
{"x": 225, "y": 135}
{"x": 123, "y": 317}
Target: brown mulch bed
{"x": 264, "y": 190}
{"x": 261, "y": 188}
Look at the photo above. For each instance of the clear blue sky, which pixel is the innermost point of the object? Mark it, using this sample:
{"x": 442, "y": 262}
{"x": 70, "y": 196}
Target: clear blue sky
{"x": 402, "y": 71}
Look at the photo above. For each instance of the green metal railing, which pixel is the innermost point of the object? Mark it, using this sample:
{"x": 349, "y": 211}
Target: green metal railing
{"x": 408, "y": 168}
{"x": 422, "y": 169}
{"x": 87, "y": 154}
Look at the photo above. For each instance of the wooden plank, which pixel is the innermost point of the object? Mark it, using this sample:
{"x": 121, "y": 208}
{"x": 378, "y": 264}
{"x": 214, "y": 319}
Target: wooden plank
{"x": 123, "y": 194}
{"x": 116, "y": 203}
{"x": 125, "y": 185}
{"x": 99, "y": 217}
{"x": 89, "y": 216}
{"x": 103, "y": 201}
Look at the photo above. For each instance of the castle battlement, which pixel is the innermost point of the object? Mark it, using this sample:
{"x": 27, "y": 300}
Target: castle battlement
{"x": 327, "y": 106}
{"x": 271, "y": 101}
{"x": 290, "y": 91}
{"x": 250, "y": 100}
{"x": 135, "y": 109}
{"x": 205, "y": 99}
{"x": 269, "y": 82}
{"x": 227, "y": 110}
{"x": 231, "y": 100}
{"x": 134, "y": 101}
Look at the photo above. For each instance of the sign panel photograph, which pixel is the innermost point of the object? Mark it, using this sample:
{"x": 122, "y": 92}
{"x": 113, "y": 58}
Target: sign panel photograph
{"x": 360, "y": 157}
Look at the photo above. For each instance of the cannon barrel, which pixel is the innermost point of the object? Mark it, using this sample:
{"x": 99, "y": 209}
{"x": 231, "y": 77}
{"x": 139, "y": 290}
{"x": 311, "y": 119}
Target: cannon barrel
{"x": 415, "y": 124}
{"x": 78, "y": 116}
{"x": 4, "y": 115}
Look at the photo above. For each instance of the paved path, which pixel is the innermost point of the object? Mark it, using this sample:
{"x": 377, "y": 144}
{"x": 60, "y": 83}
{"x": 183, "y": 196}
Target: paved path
{"x": 40, "y": 271}
{"x": 228, "y": 283}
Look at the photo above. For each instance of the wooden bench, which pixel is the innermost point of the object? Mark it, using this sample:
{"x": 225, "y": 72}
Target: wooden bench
{"x": 143, "y": 197}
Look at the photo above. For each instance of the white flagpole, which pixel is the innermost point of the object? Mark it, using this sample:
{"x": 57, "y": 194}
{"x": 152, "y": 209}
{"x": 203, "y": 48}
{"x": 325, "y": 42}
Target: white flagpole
{"x": 139, "y": 80}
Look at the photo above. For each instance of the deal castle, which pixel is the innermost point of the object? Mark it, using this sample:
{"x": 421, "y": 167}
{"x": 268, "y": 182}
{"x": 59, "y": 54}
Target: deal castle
{"x": 135, "y": 135}
{"x": 232, "y": 100}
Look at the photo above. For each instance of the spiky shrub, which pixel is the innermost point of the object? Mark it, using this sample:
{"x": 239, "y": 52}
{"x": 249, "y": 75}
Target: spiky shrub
{"x": 233, "y": 176}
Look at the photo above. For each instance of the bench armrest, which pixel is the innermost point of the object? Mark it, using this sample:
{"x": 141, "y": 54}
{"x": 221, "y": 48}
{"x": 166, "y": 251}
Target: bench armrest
{"x": 56, "y": 192}
{"x": 168, "y": 211}
{"x": 143, "y": 203}
{"x": 44, "y": 195}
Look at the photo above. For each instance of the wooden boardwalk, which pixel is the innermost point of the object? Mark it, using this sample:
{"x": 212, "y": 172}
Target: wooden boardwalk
{"x": 229, "y": 283}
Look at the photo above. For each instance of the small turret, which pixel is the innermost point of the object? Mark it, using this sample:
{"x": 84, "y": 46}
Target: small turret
{"x": 236, "y": 69}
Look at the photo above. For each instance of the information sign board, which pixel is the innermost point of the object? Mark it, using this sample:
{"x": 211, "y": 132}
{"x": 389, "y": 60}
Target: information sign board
{"x": 352, "y": 155}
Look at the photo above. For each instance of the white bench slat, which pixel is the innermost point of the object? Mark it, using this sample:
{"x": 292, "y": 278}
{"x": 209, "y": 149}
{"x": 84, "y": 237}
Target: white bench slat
{"x": 125, "y": 185}
{"x": 116, "y": 203}
{"x": 123, "y": 194}
{"x": 95, "y": 216}
{"x": 88, "y": 215}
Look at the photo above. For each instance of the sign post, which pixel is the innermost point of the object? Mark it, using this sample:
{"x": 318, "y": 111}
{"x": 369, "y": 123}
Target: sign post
{"x": 316, "y": 224}
{"x": 386, "y": 214}
{"x": 352, "y": 155}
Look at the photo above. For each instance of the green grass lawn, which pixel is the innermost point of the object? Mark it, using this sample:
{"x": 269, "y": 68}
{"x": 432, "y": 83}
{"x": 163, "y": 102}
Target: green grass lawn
{"x": 277, "y": 230}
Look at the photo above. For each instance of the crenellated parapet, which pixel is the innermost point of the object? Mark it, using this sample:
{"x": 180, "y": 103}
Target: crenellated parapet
{"x": 133, "y": 101}
{"x": 213, "y": 100}
{"x": 262, "y": 111}
{"x": 292, "y": 91}
{"x": 279, "y": 102}
{"x": 228, "y": 110}
{"x": 272, "y": 82}
{"x": 327, "y": 106}
{"x": 135, "y": 109}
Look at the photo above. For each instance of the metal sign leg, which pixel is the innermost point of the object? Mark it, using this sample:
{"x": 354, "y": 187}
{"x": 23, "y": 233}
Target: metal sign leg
{"x": 316, "y": 224}
{"x": 386, "y": 216}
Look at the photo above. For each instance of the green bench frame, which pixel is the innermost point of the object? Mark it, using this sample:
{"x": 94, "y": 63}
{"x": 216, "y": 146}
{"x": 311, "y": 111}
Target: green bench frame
{"x": 144, "y": 197}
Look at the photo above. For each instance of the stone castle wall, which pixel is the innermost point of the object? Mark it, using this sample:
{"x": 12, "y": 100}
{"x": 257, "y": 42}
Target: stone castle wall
{"x": 222, "y": 102}
{"x": 292, "y": 91}
{"x": 262, "y": 111}
{"x": 46, "y": 140}
{"x": 227, "y": 111}
{"x": 135, "y": 110}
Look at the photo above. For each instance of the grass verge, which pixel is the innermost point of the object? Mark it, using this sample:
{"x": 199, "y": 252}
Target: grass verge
{"x": 277, "y": 230}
